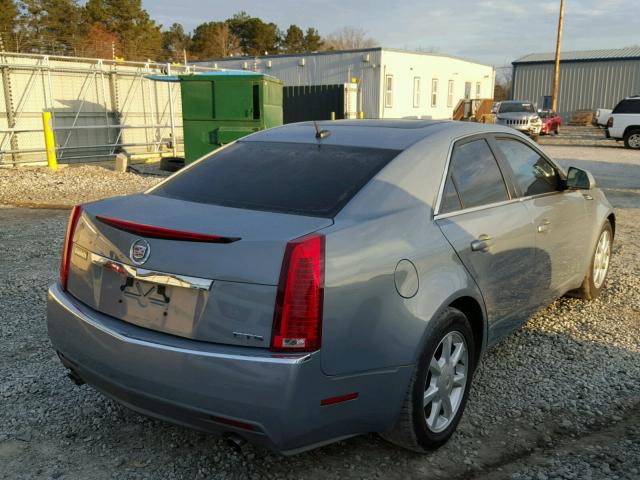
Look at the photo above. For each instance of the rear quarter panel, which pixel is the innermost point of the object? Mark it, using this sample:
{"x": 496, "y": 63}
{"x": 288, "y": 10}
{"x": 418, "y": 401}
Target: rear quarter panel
{"x": 367, "y": 324}
{"x": 621, "y": 122}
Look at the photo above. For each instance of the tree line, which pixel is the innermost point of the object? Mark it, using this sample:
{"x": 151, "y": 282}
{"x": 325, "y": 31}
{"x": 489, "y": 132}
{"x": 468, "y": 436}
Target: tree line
{"x": 123, "y": 29}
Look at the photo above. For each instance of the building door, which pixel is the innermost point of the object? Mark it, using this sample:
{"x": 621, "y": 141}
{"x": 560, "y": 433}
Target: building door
{"x": 467, "y": 91}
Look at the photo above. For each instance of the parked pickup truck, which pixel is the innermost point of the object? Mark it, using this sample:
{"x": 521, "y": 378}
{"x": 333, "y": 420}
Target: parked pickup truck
{"x": 624, "y": 122}
{"x": 601, "y": 117}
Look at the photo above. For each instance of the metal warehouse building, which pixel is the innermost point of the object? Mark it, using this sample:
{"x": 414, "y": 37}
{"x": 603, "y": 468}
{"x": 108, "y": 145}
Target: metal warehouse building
{"x": 588, "y": 79}
{"x": 391, "y": 83}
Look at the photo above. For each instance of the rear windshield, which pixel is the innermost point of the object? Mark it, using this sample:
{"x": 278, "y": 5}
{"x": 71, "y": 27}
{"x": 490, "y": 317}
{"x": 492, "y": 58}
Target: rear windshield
{"x": 628, "y": 106}
{"x": 305, "y": 179}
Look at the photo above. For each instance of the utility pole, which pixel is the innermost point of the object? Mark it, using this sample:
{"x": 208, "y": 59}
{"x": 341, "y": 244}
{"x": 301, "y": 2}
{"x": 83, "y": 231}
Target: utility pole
{"x": 556, "y": 71}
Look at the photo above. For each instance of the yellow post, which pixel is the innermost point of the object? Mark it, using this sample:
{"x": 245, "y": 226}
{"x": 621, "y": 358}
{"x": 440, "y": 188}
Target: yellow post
{"x": 333, "y": 115}
{"x": 49, "y": 140}
{"x": 361, "y": 115}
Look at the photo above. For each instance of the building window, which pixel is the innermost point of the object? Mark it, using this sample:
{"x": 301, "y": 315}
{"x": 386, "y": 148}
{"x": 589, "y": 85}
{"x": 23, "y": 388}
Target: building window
{"x": 450, "y": 94}
{"x": 416, "y": 92}
{"x": 388, "y": 91}
{"x": 478, "y": 89}
{"x": 434, "y": 92}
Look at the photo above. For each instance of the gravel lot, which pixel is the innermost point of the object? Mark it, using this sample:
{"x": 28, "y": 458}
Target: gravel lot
{"x": 66, "y": 187}
{"x": 558, "y": 399}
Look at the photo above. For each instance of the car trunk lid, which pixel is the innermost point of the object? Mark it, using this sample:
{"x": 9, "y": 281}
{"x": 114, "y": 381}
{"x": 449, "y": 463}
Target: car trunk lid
{"x": 205, "y": 272}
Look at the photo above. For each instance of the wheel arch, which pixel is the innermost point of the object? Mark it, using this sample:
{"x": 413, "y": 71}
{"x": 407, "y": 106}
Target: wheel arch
{"x": 612, "y": 220}
{"x": 474, "y": 312}
{"x": 629, "y": 128}
{"x": 470, "y": 303}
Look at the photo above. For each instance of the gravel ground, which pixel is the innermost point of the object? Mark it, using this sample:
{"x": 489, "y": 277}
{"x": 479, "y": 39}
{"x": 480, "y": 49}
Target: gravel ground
{"x": 63, "y": 188}
{"x": 558, "y": 399}
{"x": 585, "y": 136}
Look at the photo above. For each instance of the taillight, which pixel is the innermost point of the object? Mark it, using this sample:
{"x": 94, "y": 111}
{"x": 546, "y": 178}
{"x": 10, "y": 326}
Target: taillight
{"x": 610, "y": 122}
{"x": 297, "y": 320}
{"x": 68, "y": 244}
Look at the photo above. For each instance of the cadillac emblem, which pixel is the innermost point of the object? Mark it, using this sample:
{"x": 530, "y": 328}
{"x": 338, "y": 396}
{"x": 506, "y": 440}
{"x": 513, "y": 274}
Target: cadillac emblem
{"x": 140, "y": 250}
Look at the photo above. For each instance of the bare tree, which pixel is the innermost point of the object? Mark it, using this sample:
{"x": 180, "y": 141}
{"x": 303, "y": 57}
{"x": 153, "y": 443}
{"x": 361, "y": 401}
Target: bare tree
{"x": 503, "y": 84}
{"x": 228, "y": 43}
{"x": 213, "y": 40}
{"x": 347, "y": 38}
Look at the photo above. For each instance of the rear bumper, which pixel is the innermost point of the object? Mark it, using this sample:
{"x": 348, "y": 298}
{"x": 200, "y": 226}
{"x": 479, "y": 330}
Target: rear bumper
{"x": 208, "y": 387}
{"x": 530, "y": 130}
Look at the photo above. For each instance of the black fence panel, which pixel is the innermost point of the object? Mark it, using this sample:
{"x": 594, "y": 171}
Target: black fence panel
{"x": 312, "y": 102}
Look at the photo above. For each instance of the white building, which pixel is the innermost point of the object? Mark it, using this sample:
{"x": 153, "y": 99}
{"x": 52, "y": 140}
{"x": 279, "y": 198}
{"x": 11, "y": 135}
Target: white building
{"x": 392, "y": 83}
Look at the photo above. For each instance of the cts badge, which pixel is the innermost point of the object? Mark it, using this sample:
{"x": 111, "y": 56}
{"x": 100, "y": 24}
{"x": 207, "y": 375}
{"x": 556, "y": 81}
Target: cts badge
{"x": 140, "y": 250}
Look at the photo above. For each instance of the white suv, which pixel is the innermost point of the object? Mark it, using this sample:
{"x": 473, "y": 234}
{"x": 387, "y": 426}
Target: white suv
{"x": 624, "y": 123}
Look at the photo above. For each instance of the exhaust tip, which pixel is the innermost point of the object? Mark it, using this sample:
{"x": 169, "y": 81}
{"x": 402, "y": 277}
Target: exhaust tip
{"x": 75, "y": 378}
{"x": 238, "y": 443}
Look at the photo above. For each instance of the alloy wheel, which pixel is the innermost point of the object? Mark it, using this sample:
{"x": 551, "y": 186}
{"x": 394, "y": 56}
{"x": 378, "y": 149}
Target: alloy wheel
{"x": 601, "y": 259}
{"x": 446, "y": 382}
{"x": 634, "y": 140}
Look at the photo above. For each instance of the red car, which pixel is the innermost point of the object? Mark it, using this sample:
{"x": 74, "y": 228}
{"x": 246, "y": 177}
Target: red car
{"x": 551, "y": 122}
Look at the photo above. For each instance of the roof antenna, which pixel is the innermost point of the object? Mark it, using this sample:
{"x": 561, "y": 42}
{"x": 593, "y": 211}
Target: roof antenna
{"x": 320, "y": 134}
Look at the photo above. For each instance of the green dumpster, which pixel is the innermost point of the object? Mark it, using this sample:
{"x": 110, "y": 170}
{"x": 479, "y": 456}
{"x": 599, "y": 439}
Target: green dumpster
{"x": 220, "y": 107}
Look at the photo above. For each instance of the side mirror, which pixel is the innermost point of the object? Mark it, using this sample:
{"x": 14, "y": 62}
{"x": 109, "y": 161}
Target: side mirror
{"x": 580, "y": 179}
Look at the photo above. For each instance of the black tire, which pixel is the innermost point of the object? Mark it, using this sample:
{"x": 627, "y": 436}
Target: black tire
{"x": 410, "y": 430}
{"x": 588, "y": 290}
{"x": 171, "y": 164}
{"x": 632, "y": 138}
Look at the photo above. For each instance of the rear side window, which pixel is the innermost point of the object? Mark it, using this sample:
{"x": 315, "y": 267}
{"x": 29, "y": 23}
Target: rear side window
{"x": 628, "y": 106}
{"x": 299, "y": 178}
{"x": 533, "y": 174}
{"x": 450, "y": 199}
{"x": 476, "y": 175}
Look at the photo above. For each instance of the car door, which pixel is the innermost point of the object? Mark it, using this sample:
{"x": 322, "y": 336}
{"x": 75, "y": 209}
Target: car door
{"x": 559, "y": 217}
{"x": 490, "y": 231}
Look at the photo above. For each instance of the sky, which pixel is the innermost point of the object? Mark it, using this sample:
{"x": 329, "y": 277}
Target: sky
{"x": 489, "y": 31}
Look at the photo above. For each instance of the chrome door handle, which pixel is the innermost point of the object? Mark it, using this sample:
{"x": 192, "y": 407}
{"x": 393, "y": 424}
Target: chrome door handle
{"x": 587, "y": 196}
{"x": 482, "y": 244}
{"x": 544, "y": 226}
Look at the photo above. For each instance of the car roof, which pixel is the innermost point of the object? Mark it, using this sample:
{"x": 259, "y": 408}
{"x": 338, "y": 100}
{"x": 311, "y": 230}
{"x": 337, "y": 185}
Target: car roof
{"x": 396, "y": 134}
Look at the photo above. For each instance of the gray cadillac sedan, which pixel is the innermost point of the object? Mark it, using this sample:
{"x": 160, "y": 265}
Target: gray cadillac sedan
{"x": 301, "y": 286}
